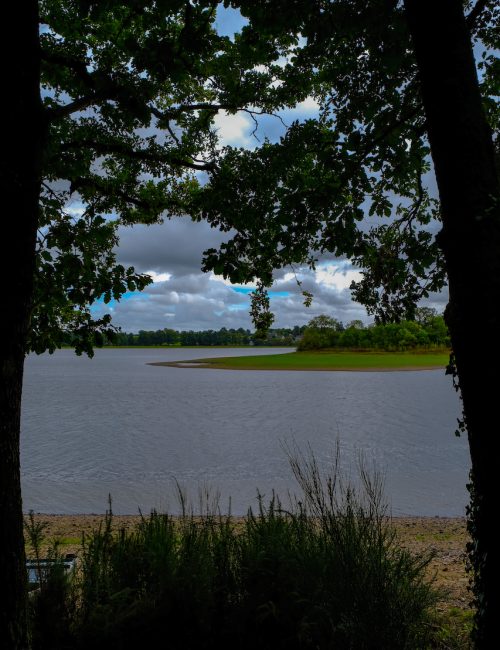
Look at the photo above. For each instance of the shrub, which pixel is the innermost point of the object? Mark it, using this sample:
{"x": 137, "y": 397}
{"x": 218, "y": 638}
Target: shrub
{"x": 52, "y": 601}
{"x": 325, "y": 572}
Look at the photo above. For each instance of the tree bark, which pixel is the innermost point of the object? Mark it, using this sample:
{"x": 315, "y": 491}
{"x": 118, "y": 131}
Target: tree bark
{"x": 19, "y": 190}
{"x": 464, "y": 161}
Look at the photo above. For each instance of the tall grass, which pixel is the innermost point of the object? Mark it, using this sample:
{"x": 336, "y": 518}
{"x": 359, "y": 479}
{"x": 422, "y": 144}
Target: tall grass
{"x": 52, "y": 601}
{"x": 324, "y": 572}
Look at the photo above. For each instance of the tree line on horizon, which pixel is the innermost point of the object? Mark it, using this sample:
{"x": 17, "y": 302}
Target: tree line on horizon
{"x": 428, "y": 330}
{"x": 223, "y": 336}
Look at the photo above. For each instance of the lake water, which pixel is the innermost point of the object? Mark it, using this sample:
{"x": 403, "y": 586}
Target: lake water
{"x": 115, "y": 425}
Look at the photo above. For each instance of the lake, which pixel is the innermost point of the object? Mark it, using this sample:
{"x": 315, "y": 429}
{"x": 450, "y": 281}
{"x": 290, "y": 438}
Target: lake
{"x": 115, "y": 425}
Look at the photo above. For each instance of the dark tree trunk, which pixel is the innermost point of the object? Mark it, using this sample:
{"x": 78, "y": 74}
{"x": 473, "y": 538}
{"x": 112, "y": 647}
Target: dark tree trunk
{"x": 464, "y": 161}
{"x": 19, "y": 192}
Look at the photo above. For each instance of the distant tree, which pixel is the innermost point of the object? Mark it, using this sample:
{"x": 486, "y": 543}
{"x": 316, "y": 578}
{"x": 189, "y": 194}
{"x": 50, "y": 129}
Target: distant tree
{"x": 356, "y": 337}
{"x": 144, "y": 338}
{"x": 321, "y": 332}
{"x": 298, "y": 330}
{"x": 437, "y": 331}
{"x": 171, "y": 336}
{"x": 424, "y": 314}
{"x": 356, "y": 324}
{"x": 224, "y": 336}
{"x": 324, "y": 322}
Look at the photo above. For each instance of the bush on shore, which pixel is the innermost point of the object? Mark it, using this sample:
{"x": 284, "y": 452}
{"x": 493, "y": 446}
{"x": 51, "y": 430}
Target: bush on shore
{"x": 390, "y": 337}
{"x": 325, "y": 572}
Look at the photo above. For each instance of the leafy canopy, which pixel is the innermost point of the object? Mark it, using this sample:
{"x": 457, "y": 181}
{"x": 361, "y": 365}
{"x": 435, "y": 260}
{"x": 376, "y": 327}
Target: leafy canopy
{"x": 129, "y": 93}
{"x": 367, "y": 154}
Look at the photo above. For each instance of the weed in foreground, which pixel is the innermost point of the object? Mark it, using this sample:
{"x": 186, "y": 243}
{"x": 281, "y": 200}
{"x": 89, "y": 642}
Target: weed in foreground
{"x": 325, "y": 572}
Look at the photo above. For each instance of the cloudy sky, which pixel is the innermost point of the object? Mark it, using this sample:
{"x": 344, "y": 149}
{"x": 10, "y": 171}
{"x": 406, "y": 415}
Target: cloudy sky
{"x": 183, "y": 298}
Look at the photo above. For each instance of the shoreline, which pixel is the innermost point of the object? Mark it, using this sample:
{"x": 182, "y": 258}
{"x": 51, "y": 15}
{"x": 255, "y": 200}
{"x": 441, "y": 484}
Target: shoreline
{"x": 328, "y": 360}
{"x": 190, "y": 364}
{"x": 445, "y": 537}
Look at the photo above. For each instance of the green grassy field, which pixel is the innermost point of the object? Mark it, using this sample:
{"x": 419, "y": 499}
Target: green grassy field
{"x": 331, "y": 361}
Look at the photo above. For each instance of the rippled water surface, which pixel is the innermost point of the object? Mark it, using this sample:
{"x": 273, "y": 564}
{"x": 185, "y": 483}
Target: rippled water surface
{"x": 114, "y": 424}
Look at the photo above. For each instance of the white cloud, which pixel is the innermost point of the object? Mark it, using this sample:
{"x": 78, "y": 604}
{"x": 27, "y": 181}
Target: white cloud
{"x": 234, "y": 129}
{"x": 228, "y": 283}
{"x": 75, "y": 209}
{"x": 182, "y": 297}
{"x": 173, "y": 297}
{"x": 159, "y": 277}
{"x": 336, "y": 276}
{"x": 309, "y": 105}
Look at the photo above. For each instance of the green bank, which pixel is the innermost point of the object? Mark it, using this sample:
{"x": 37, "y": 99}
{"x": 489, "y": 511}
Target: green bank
{"x": 325, "y": 360}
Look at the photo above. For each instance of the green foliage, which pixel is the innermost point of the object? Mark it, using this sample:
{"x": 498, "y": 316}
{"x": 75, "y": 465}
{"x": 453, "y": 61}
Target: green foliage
{"x": 453, "y": 629}
{"x": 129, "y": 95}
{"x": 76, "y": 265}
{"x": 52, "y": 603}
{"x": 306, "y": 194}
{"x": 274, "y": 336}
{"x": 325, "y": 323}
{"x": 321, "y": 332}
{"x": 260, "y": 311}
{"x": 325, "y": 572}
{"x": 429, "y": 333}
{"x": 365, "y": 155}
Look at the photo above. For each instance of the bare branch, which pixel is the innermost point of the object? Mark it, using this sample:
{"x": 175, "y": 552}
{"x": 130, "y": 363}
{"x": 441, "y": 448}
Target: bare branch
{"x": 50, "y": 191}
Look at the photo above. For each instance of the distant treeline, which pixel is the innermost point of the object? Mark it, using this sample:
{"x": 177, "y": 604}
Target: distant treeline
{"x": 428, "y": 330}
{"x": 282, "y": 336}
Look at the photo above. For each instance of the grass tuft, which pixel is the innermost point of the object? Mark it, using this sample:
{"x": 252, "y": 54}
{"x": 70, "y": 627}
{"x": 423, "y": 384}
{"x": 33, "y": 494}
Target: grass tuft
{"x": 324, "y": 572}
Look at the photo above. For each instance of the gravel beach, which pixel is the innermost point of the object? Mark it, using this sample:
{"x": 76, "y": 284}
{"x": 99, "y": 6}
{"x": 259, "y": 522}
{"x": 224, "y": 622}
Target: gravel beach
{"x": 446, "y": 537}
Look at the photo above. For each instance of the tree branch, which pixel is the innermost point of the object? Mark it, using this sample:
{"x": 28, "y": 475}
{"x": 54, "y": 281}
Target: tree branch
{"x": 74, "y": 106}
{"x": 475, "y": 12}
{"x": 160, "y": 116}
{"x": 106, "y": 148}
{"x": 78, "y": 66}
{"x": 93, "y": 183}
{"x": 172, "y": 113}
{"x": 101, "y": 86}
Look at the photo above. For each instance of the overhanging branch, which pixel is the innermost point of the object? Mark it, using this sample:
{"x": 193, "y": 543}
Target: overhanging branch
{"x": 114, "y": 148}
{"x": 101, "y": 87}
{"x": 95, "y": 184}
